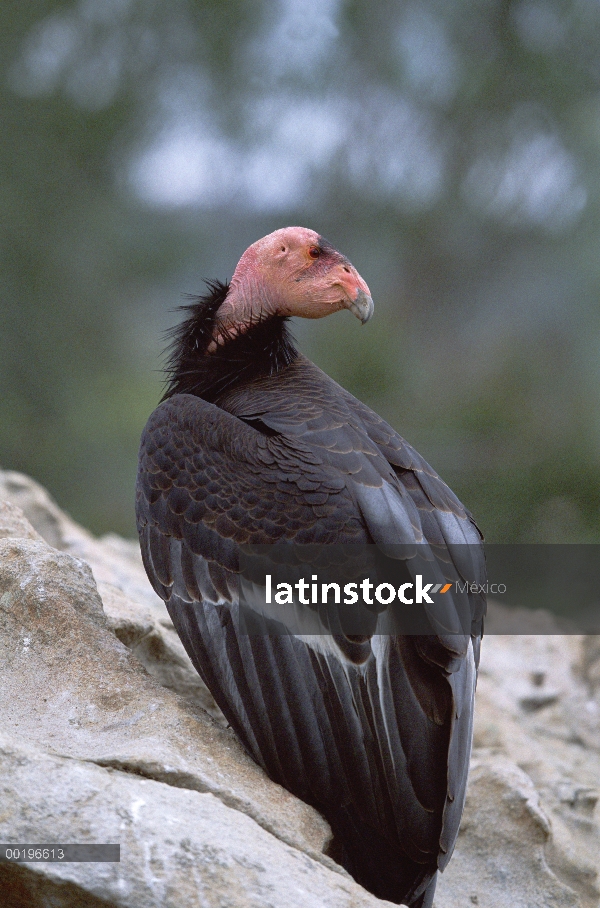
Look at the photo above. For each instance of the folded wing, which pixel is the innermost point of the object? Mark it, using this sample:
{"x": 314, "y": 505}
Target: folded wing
{"x": 375, "y": 732}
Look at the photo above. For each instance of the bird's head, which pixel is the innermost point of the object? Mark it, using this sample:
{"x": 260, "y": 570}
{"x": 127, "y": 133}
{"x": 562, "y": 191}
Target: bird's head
{"x": 292, "y": 271}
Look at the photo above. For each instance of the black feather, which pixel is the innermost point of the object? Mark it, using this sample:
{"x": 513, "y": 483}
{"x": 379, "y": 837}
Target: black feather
{"x": 263, "y": 349}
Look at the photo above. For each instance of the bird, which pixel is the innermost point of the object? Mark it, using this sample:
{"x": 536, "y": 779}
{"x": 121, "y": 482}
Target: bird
{"x": 252, "y": 446}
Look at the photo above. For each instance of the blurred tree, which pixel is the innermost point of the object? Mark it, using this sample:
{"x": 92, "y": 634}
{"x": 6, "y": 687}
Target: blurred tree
{"x": 450, "y": 149}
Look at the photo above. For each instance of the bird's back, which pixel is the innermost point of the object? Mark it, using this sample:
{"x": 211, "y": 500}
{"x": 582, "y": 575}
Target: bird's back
{"x": 380, "y": 743}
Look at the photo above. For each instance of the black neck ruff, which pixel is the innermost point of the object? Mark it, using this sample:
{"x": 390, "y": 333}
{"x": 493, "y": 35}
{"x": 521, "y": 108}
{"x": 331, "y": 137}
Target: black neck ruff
{"x": 263, "y": 349}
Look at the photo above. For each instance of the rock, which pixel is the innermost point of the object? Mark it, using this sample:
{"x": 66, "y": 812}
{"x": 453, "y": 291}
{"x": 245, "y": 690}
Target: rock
{"x": 500, "y": 857}
{"x": 178, "y": 848}
{"x": 136, "y": 614}
{"x": 156, "y": 645}
{"x": 556, "y": 746}
{"x": 14, "y": 523}
{"x": 113, "y": 560}
{"x": 38, "y": 508}
{"x": 590, "y": 664}
{"x": 70, "y": 687}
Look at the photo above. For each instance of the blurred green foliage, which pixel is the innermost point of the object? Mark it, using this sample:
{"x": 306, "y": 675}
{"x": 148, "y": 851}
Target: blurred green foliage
{"x": 451, "y": 150}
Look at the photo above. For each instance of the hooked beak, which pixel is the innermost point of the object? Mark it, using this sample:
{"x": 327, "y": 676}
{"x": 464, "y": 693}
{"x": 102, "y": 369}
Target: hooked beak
{"x": 362, "y": 307}
{"x": 357, "y": 293}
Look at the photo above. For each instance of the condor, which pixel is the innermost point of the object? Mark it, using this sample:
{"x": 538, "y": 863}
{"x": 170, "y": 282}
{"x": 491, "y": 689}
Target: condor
{"x": 254, "y": 445}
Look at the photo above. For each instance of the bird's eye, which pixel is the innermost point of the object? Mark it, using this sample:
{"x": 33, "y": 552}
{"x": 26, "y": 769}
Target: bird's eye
{"x": 314, "y": 252}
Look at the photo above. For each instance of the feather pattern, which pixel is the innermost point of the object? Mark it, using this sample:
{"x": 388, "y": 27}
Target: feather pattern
{"x": 255, "y": 445}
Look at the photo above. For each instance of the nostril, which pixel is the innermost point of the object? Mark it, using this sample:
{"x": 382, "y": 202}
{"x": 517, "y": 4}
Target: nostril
{"x": 346, "y": 269}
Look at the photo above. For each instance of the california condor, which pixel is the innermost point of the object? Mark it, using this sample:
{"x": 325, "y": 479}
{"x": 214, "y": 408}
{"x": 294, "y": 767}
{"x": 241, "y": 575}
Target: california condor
{"x": 253, "y": 445}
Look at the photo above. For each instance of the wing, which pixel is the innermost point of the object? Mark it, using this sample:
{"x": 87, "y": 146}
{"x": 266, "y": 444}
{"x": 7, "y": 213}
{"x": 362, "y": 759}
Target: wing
{"x": 379, "y": 741}
{"x": 213, "y": 482}
{"x": 399, "y": 497}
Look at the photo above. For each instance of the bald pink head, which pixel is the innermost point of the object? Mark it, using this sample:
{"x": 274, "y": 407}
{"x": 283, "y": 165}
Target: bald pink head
{"x": 292, "y": 271}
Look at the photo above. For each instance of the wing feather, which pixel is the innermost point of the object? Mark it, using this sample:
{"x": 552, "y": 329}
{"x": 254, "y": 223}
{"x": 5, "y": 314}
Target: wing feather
{"x": 374, "y": 732}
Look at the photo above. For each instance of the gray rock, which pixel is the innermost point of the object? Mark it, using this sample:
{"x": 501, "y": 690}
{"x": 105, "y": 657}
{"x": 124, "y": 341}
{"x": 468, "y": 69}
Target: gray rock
{"x": 557, "y": 746}
{"x": 113, "y": 560}
{"x": 70, "y": 687}
{"x": 178, "y": 848}
{"x": 500, "y": 858}
{"x": 13, "y": 522}
{"x": 135, "y": 613}
{"x": 39, "y": 509}
{"x": 156, "y": 645}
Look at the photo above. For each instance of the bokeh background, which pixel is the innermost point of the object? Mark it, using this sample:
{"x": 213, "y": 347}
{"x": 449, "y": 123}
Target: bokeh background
{"x": 451, "y": 148}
